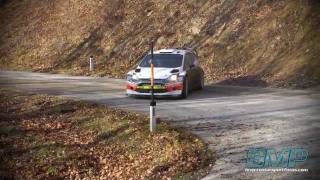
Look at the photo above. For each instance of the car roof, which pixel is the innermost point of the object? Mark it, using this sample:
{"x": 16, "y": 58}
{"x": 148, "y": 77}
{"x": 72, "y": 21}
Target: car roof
{"x": 175, "y": 51}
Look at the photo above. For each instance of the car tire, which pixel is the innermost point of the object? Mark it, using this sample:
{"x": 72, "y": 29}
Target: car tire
{"x": 185, "y": 90}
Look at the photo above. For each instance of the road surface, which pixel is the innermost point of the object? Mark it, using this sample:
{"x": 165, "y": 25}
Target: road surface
{"x": 230, "y": 119}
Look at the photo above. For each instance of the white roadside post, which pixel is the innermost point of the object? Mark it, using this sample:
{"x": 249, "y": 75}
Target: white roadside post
{"x": 153, "y": 122}
{"x": 91, "y": 63}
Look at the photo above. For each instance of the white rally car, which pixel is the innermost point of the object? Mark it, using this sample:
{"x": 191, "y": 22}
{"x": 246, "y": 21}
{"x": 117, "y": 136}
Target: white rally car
{"x": 176, "y": 73}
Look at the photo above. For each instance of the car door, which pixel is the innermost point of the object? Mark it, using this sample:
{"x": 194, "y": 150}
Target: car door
{"x": 198, "y": 72}
{"x": 194, "y": 71}
{"x": 191, "y": 70}
{"x": 187, "y": 63}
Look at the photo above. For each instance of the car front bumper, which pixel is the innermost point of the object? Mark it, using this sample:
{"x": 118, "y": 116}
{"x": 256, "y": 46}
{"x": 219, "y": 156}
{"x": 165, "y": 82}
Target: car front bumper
{"x": 169, "y": 89}
{"x": 171, "y": 93}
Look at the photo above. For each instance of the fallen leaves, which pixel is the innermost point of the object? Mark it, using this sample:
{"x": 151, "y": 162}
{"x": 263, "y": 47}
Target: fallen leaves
{"x": 60, "y": 138}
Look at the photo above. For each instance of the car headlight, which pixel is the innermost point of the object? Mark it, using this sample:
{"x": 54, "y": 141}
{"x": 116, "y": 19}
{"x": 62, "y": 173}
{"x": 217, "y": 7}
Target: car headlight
{"x": 135, "y": 77}
{"x": 132, "y": 78}
{"x": 175, "y": 78}
{"x": 129, "y": 77}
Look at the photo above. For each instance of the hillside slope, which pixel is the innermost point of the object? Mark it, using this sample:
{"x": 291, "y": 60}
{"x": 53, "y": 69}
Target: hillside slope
{"x": 250, "y": 42}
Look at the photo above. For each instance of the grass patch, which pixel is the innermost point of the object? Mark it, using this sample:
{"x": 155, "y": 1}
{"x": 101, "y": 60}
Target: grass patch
{"x": 49, "y": 137}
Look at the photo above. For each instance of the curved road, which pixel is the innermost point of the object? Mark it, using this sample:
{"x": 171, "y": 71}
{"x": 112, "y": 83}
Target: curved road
{"x": 230, "y": 119}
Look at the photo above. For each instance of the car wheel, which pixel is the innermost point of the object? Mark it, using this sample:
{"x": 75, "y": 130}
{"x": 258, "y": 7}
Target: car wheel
{"x": 185, "y": 90}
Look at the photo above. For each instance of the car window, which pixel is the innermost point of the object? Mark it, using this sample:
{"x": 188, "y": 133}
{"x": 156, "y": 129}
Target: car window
{"x": 185, "y": 62}
{"x": 194, "y": 60}
{"x": 188, "y": 61}
{"x": 162, "y": 60}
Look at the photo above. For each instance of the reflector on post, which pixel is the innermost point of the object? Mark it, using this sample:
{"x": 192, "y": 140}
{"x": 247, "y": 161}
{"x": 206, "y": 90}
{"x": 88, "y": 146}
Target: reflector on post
{"x": 91, "y": 63}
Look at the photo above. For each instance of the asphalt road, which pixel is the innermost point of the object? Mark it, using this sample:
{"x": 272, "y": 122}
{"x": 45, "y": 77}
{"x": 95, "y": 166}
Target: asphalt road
{"x": 230, "y": 119}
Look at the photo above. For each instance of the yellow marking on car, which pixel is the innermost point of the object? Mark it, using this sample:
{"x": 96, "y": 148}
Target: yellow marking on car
{"x": 149, "y": 87}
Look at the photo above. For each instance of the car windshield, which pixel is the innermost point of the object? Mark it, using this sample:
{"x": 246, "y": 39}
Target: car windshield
{"x": 162, "y": 60}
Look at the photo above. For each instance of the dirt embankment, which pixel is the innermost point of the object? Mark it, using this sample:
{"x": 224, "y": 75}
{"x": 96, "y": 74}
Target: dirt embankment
{"x": 254, "y": 42}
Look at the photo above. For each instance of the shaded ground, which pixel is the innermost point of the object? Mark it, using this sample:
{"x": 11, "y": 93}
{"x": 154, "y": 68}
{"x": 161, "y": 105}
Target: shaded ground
{"x": 244, "y": 81}
{"x": 230, "y": 119}
{"x": 45, "y": 137}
